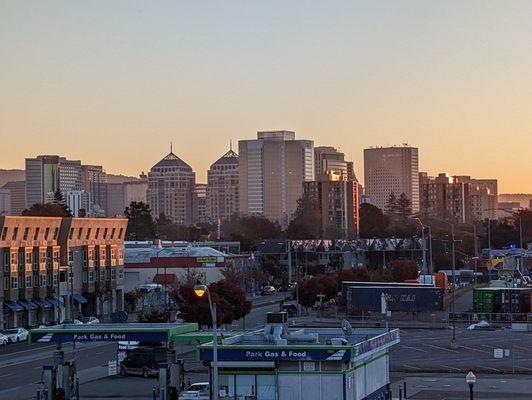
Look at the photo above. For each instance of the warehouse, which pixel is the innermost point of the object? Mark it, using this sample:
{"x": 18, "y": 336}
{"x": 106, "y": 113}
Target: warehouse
{"x": 278, "y": 363}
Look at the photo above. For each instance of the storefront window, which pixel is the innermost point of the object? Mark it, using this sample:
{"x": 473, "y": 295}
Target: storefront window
{"x": 265, "y": 387}
{"x": 245, "y": 386}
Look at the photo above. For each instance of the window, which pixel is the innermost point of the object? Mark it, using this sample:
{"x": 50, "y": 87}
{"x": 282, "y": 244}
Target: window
{"x": 91, "y": 276}
{"x": 71, "y": 234}
{"x": 6, "y": 282}
{"x": 13, "y": 259}
{"x": 120, "y": 273}
{"x": 56, "y": 256}
{"x": 55, "y": 279}
{"x": 15, "y": 233}
{"x": 97, "y": 233}
{"x": 28, "y": 258}
{"x": 56, "y": 233}
{"x": 113, "y": 274}
{"x": 49, "y": 280}
{"x": 105, "y": 233}
{"x": 26, "y": 232}
{"x": 43, "y": 280}
{"x": 14, "y": 282}
{"x": 46, "y": 233}
{"x": 113, "y": 233}
{"x": 84, "y": 276}
{"x": 87, "y": 237}
{"x": 28, "y": 281}
{"x": 4, "y": 234}
{"x": 120, "y": 234}
{"x": 6, "y": 262}
{"x": 102, "y": 275}
{"x": 70, "y": 257}
{"x": 79, "y": 233}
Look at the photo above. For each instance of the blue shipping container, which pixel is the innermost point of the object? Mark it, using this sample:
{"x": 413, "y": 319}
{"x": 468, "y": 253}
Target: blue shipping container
{"x": 405, "y": 299}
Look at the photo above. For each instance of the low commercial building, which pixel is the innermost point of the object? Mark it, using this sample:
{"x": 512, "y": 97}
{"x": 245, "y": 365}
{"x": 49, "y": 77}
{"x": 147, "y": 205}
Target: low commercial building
{"x": 48, "y": 271}
{"x": 278, "y": 363}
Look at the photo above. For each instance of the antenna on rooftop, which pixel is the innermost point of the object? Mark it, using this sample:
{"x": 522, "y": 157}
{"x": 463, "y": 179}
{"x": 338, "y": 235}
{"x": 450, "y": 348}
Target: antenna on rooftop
{"x": 231, "y": 144}
{"x": 171, "y": 150}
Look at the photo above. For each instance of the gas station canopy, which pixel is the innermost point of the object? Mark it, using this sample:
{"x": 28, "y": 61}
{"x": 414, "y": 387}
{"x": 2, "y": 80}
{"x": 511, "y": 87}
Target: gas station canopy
{"x": 154, "y": 332}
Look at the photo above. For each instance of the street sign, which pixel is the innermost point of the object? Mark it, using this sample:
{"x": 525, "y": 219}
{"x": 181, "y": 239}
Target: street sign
{"x": 498, "y": 353}
{"x": 111, "y": 367}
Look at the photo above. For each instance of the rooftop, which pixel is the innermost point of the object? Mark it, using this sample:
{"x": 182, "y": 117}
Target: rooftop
{"x": 171, "y": 160}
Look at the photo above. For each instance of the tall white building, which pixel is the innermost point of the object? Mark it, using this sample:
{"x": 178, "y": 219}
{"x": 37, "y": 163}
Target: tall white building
{"x": 171, "y": 185}
{"x": 47, "y": 174}
{"x": 391, "y": 169}
{"x": 272, "y": 169}
{"x": 222, "y": 188}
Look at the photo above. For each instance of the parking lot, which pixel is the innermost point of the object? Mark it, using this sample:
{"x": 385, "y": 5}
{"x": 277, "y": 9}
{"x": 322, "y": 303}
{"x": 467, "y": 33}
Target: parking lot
{"x": 428, "y": 350}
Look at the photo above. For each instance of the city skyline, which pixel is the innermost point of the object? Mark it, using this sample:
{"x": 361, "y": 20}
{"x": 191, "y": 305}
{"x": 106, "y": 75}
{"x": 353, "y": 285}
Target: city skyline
{"x": 125, "y": 81}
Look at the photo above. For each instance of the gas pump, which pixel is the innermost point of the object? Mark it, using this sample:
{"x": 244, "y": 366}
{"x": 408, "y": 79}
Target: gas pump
{"x": 59, "y": 380}
{"x": 171, "y": 378}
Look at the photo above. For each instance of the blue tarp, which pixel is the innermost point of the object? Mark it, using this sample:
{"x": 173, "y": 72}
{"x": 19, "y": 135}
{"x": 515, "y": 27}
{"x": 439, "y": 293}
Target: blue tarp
{"x": 13, "y": 306}
{"x": 79, "y": 298}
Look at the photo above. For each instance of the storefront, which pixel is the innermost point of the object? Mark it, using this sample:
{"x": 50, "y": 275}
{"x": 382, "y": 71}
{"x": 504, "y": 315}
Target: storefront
{"x": 310, "y": 363}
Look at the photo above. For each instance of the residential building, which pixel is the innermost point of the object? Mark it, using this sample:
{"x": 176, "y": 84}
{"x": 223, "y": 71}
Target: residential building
{"x": 445, "y": 197}
{"x": 200, "y": 203}
{"x": 222, "y": 188}
{"x": 48, "y": 271}
{"x": 391, "y": 170}
{"x": 46, "y": 174}
{"x": 337, "y": 200}
{"x": 272, "y": 169}
{"x": 5, "y": 201}
{"x": 17, "y": 191}
{"x": 171, "y": 184}
{"x": 80, "y": 203}
{"x": 94, "y": 182}
{"x": 484, "y": 197}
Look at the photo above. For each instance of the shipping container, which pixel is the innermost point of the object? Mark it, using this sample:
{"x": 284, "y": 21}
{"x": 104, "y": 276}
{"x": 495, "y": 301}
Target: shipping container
{"x": 404, "y": 299}
{"x": 515, "y": 300}
{"x": 441, "y": 281}
{"x": 486, "y": 300}
{"x": 348, "y": 284}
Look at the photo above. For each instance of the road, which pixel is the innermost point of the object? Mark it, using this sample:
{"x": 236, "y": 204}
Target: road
{"x": 21, "y": 363}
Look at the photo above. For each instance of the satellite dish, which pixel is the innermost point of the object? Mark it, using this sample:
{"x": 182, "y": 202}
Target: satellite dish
{"x": 347, "y": 328}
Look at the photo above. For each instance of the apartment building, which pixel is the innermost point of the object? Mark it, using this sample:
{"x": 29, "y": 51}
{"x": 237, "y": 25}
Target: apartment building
{"x": 54, "y": 269}
{"x": 445, "y": 197}
{"x": 17, "y": 196}
{"x": 272, "y": 169}
{"x": 222, "y": 188}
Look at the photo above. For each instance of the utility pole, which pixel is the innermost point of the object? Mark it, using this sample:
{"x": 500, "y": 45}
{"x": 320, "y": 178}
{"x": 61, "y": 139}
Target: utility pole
{"x": 453, "y": 340}
{"x": 289, "y": 254}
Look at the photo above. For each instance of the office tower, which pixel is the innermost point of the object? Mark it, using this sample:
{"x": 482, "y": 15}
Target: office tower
{"x": 17, "y": 190}
{"x": 136, "y": 190}
{"x": 78, "y": 200}
{"x": 47, "y": 174}
{"x": 5, "y": 201}
{"x": 445, "y": 197}
{"x": 222, "y": 188}
{"x": 115, "y": 200}
{"x": 171, "y": 184}
{"x": 200, "y": 203}
{"x": 329, "y": 159}
{"x": 94, "y": 181}
{"x": 272, "y": 169}
{"x": 391, "y": 170}
{"x": 337, "y": 200}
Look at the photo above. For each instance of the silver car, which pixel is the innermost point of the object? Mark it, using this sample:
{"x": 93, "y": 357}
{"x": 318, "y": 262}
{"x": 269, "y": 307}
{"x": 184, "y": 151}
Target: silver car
{"x": 16, "y": 335}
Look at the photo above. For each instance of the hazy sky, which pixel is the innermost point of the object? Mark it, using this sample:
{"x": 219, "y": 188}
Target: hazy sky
{"x": 113, "y": 82}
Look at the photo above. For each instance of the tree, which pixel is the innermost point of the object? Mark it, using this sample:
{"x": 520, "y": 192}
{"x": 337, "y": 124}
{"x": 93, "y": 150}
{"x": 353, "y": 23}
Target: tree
{"x": 306, "y": 221}
{"x": 250, "y": 228}
{"x": 404, "y": 206}
{"x": 60, "y": 201}
{"x": 45, "y": 210}
{"x": 308, "y": 289}
{"x": 354, "y": 275}
{"x": 235, "y": 297}
{"x": 391, "y": 204}
{"x": 167, "y": 230}
{"x": 140, "y": 225}
{"x": 403, "y": 270}
{"x": 373, "y": 222}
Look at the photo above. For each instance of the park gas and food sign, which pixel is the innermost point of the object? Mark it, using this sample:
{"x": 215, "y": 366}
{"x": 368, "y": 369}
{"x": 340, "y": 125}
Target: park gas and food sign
{"x": 276, "y": 354}
{"x": 61, "y": 337}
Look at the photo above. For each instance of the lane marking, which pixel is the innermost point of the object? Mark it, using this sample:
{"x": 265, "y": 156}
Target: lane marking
{"x": 472, "y": 348}
{"x": 5, "y": 376}
{"x": 446, "y": 366}
{"x": 441, "y": 348}
{"x": 413, "y": 348}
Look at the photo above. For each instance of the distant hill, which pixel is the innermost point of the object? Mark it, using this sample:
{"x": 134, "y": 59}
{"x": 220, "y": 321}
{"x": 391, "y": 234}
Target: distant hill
{"x": 114, "y": 178}
{"x": 523, "y": 198}
{"x": 8, "y": 175}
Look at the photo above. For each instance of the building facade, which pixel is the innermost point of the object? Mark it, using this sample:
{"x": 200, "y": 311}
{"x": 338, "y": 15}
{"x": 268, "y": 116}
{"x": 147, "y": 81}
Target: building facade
{"x": 222, "y": 188}
{"x": 5, "y": 201}
{"x": 17, "y": 190}
{"x": 94, "y": 183}
{"x": 272, "y": 169}
{"x": 171, "y": 185}
{"x": 200, "y": 203}
{"x": 328, "y": 159}
{"x": 391, "y": 170}
{"x": 48, "y": 272}
{"x": 337, "y": 200}
{"x": 46, "y": 174}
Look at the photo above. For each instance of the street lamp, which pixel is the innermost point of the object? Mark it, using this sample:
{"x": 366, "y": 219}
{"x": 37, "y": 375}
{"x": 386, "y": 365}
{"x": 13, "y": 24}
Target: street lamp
{"x": 423, "y": 227}
{"x": 471, "y": 379}
{"x": 200, "y": 290}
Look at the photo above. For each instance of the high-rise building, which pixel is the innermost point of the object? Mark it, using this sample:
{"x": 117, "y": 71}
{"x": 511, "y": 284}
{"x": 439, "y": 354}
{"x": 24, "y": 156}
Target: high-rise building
{"x": 484, "y": 197}
{"x": 445, "y": 197}
{"x": 272, "y": 169}
{"x": 47, "y": 174}
{"x": 94, "y": 183}
{"x": 328, "y": 159}
{"x": 78, "y": 200}
{"x": 5, "y": 202}
{"x": 200, "y": 203}
{"x": 222, "y": 188}
{"x": 136, "y": 190}
{"x": 17, "y": 190}
{"x": 171, "y": 184}
{"x": 391, "y": 170}
{"x": 337, "y": 200}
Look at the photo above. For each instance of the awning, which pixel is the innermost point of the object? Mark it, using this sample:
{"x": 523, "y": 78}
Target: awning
{"x": 13, "y": 306}
{"x": 164, "y": 278}
{"x": 28, "y": 305}
{"x": 79, "y": 298}
{"x": 53, "y": 301}
{"x": 43, "y": 303}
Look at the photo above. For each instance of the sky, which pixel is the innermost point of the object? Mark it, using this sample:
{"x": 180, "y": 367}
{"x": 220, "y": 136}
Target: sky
{"x": 114, "y": 82}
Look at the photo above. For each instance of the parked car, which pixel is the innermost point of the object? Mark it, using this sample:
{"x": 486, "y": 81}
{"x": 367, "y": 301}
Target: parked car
{"x": 89, "y": 320}
{"x": 290, "y": 309}
{"x": 3, "y": 339}
{"x": 196, "y": 391}
{"x": 16, "y": 335}
{"x": 268, "y": 290}
{"x": 143, "y": 361}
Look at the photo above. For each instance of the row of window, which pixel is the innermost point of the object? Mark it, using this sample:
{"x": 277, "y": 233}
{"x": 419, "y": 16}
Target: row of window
{"x": 103, "y": 275}
{"x": 26, "y": 235}
{"x": 86, "y": 234}
{"x": 21, "y": 258}
{"x": 30, "y": 281}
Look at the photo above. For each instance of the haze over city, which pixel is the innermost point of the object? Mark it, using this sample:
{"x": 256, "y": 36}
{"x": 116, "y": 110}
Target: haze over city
{"x": 114, "y": 83}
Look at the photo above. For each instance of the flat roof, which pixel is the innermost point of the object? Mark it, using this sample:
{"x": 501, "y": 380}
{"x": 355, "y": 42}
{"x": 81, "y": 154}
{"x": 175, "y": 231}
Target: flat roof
{"x": 149, "y": 332}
